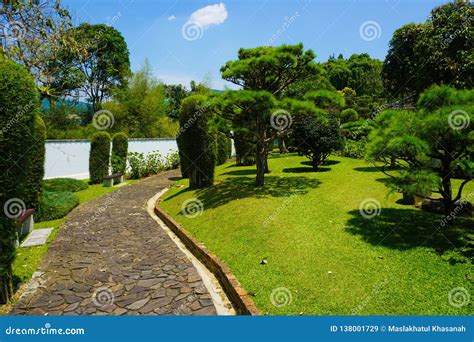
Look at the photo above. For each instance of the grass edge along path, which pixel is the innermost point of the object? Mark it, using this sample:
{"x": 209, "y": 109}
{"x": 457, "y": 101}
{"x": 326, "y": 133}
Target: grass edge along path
{"x": 323, "y": 257}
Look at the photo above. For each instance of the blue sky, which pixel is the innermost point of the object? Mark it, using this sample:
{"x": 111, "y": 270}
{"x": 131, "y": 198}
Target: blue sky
{"x": 153, "y": 29}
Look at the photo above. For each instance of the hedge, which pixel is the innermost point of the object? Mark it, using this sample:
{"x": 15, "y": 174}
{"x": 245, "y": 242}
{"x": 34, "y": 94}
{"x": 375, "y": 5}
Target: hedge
{"x": 19, "y": 105}
{"x": 119, "y": 152}
{"x": 36, "y": 165}
{"x": 55, "y": 205}
{"x": 197, "y": 144}
{"x": 99, "y": 157}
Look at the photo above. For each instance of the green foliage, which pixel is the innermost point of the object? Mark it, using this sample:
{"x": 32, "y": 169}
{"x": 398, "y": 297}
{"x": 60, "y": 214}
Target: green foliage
{"x": 349, "y": 115}
{"x": 354, "y": 148}
{"x": 18, "y": 110}
{"x": 64, "y": 185}
{"x": 99, "y": 158}
{"x": 105, "y": 64}
{"x": 55, "y": 205}
{"x": 244, "y": 148}
{"x": 441, "y": 96}
{"x": 415, "y": 182}
{"x": 356, "y": 130}
{"x": 316, "y": 135}
{"x": 144, "y": 165}
{"x": 360, "y": 73}
{"x": 198, "y": 144}
{"x": 437, "y": 141}
{"x": 332, "y": 101}
{"x": 119, "y": 152}
{"x": 436, "y": 52}
{"x": 36, "y": 165}
{"x": 140, "y": 108}
{"x": 224, "y": 149}
{"x": 174, "y": 93}
{"x": 271, "y": 69}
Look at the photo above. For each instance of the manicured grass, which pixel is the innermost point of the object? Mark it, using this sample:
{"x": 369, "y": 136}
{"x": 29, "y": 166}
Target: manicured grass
{"x": 64, "y": 184}
{"x": 317, "y": 245}
{"x": 55, "y": 205}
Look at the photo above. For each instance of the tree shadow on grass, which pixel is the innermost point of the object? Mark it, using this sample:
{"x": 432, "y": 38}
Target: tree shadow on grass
{"x": 326, "y": 163}
{"x": 305, "y": 169}
{"x": 241, "y": 172}
{"x": 375, "y": 169}
{"x": 237, "y": 188}
{"x": 404, "y": 229}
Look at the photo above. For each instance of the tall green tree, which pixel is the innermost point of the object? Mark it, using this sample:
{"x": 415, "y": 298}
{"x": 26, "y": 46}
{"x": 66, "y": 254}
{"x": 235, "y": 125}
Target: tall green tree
{"x": 436, "y": 52}
{"x": 104, "y": 62}
{"x": 267, "y": 72}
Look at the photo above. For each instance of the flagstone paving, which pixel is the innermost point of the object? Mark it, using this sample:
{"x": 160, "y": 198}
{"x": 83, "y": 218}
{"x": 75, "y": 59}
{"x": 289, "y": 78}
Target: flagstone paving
{"x": 111, "y": 258}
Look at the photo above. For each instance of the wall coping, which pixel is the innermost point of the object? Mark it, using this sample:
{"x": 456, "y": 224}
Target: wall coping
{"x": 239, "y": 298}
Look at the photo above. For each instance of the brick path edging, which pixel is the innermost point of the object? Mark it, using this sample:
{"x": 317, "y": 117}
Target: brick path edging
{"x": 241, "y": 301}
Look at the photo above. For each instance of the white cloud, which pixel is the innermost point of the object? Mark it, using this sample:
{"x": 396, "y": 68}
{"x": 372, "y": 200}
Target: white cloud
{"x": 210, "y": 15}
{"x": 171, "y": 18}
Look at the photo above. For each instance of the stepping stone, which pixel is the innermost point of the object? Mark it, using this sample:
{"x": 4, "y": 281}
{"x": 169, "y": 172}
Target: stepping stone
{"x": 37, "y": 237}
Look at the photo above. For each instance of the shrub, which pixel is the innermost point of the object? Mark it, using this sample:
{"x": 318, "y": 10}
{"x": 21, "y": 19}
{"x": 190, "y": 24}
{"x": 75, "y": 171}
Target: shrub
{"x": 349, "y": 115}
{"x": 197, "y": 145}
{"x": 119, "y": 152}
{"x": 18, "y": 106}
{"x": 224, "y": 149}
{"x": 354, "y": 148}
{"x": 64, "y": 184}
{"x": 143, "y": 165}
{"x": 55, "y": 205}
{"x": 36, "y": 165}
{"x": 356, "y": 130}
{"x": 441, "y": 96}
{"x": 99, "y": 157}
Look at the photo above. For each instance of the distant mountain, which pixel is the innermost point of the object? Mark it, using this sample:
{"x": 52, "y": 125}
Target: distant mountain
{"x": 79, "y": 105}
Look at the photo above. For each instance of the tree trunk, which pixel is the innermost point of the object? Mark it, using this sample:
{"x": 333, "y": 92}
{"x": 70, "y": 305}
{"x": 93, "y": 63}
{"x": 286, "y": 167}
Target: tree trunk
{"x": 267, "y": 170}
{"x": 261, "y": 153}
{"x": 282, "y": 145}
{"x": 447, "y": 191}
{"x": 6, "y": 286}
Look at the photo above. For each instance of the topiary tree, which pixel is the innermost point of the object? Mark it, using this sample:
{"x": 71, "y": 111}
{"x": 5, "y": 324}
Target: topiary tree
{"x": 224, "y": 149}
{"x": 315, "y": 133}
{"x": 119, "y": 152}
{"x": 19, "y": 106}
{"x": 99, "y": 157}
{"x": 429, "y": 146}
{"x": 197, "y": 145}
{"x": 183, "y": 160}
{"x": 36, "y": 165}
{"x": 349, "y": 115}
{"x": 332, "y": 101}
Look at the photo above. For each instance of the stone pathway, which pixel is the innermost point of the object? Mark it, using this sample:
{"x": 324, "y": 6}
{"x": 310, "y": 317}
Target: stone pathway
{"x": 111, "y": 258}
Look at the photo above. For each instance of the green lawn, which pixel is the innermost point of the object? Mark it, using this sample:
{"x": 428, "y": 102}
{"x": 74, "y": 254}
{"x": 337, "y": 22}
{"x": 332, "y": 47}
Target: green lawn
{"x": 317, "y": 245}
{"x": 28, "y": 259}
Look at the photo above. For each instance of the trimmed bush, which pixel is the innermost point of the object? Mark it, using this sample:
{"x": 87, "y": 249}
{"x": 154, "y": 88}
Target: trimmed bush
{"x": 19, "y": 104}
{"x": 224, "y": 149}
{"x": 349, "y": 115}
{"x": 36, "y": 165}
{"x": 99, "y": 158}
{"x": 119, "y": 152}
{"x": 64, "y": 184}
{"x": 55, "y": 205}
{"x": 197, "y": 145}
